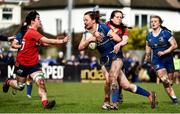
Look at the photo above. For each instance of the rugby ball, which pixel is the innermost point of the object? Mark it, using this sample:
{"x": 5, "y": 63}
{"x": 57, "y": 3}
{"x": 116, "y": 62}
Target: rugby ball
{"x": 91, "y": 45}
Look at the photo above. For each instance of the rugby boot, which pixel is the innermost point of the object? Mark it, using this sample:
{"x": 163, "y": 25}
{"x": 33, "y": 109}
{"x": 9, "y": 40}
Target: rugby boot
{"x": 50, "y": 104}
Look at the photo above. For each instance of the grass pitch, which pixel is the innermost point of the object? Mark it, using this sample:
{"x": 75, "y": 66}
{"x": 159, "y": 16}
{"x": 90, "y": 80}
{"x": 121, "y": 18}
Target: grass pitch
{"x": 86, "y": 98}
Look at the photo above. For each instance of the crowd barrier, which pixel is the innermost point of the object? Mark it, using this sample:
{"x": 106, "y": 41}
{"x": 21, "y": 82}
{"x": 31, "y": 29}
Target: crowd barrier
{"x": 67, "y": 73}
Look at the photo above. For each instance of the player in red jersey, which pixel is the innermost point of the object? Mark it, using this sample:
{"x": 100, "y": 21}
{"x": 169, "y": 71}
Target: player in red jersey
{"x": 116, "y": 25}
{"x": 27, "y": 59}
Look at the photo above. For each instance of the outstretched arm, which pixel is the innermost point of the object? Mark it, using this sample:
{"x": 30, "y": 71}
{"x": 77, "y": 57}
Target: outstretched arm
{"x": 47, "y": 41}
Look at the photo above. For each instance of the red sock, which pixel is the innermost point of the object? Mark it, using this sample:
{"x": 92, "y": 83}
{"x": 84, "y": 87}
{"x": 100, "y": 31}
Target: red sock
{"x": 44, "y": 103}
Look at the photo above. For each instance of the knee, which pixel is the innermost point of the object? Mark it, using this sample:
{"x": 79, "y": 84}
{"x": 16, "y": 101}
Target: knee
{"x": 39, "y": 79}
{"x": 41, "y": 83}
{"x": 126, "y": 87}
{"x": 166, "y": 81}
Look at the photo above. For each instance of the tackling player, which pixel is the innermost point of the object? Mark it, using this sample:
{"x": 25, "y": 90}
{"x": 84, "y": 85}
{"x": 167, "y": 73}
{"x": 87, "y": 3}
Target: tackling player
{"x": 111, "y": 55}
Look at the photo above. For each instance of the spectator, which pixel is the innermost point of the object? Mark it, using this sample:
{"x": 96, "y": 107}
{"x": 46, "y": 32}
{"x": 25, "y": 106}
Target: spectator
{"x": 73, "y": 61}
{"x": 94, "y": 63}
{"x": 60, "y": 60}
{"x": 83, "y": 58}
{"x": 177, "y": 68}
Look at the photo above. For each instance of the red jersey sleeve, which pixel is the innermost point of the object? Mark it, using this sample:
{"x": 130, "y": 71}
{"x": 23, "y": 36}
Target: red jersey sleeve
{"x": 126, "y": 32}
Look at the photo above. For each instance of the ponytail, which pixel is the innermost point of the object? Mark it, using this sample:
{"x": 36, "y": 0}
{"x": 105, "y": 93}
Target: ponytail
{"x": 30, "y": 16}
{"x": 165, "y": 28}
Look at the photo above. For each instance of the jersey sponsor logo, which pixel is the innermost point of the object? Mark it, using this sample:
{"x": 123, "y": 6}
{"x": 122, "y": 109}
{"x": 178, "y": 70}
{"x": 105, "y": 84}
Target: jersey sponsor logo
{"x": 161, "y": 41}
{"x": 157, "y": 66}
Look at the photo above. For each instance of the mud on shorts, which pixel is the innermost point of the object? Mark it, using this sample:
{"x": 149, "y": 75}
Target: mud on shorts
{"x": 109, "y": 58}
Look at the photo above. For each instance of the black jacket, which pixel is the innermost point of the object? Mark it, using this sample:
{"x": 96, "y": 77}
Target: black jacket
{"x": 3, "y": 38}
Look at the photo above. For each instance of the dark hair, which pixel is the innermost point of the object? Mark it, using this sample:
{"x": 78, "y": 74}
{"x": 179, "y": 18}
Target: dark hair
{"x": 94, "y": 15}
{"x": 30, "y": 16}
{"x": 160, "y": 21}
{"x": 121, "y": 24}
{"x": 114, "y": 12}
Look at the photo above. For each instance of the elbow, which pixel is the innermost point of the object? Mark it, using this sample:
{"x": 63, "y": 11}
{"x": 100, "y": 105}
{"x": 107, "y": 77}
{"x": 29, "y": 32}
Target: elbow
{"x": 126, "y": 43}
{"x": 80, "y": 48}
{"x": 175, "y": 46}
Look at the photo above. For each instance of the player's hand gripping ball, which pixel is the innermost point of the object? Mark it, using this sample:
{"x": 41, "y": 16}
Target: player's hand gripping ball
{"x": 91, "y": 45}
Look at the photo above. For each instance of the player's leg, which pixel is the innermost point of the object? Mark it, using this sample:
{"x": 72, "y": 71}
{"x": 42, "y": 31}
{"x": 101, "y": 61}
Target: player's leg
{"x": 163, "y": 75}
{"x": 106, "y": 104}
{"x": 137, "y": 89}
{"x": 114, "y": 73}
{"x": 29, "y": 83}
{"x": 38, "y": 77}
{"x": 120, "y": 98}
{"x": 18, "y": 83}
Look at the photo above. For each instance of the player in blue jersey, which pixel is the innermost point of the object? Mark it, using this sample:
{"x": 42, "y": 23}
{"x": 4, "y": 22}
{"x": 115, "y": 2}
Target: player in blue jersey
{"x": 161, "y": 43}
{"x": 111, "y": 56}
{"x": 17, "y": 43}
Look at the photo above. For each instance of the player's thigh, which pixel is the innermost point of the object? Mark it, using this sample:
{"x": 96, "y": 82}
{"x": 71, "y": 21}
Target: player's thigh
{"x": 105, "y": 73}
{"x": 21, "y": 79}
{"x": 123, "y": 80}
{"x": 116, "y": 66}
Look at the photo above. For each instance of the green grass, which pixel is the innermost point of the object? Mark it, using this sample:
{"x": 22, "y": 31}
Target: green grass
{"x": 86, "y": 98}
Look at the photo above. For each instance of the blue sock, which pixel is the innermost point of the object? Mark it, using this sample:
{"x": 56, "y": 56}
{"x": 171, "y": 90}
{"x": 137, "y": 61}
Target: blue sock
{"x": 29, "y": 89}
{"x": 115, "y": 95}
{"x": 142, "y": 91}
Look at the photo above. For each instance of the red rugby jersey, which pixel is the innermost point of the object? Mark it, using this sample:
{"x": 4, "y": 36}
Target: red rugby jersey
{"x": 119, "y": 32}
{"x": 29, "y": 53}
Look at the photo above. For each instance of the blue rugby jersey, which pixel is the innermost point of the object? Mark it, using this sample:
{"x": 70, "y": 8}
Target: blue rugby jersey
{"x": 19, "y": 37}
{"x": 160, "y": 43}
{"x": 107, "y": 44}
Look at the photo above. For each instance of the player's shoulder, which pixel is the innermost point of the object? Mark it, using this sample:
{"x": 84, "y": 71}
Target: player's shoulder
{"x": 166, "y": 31}
{"x": 102, "y": 25}
{"x": 149, "y": 35}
